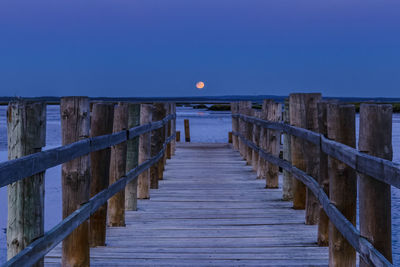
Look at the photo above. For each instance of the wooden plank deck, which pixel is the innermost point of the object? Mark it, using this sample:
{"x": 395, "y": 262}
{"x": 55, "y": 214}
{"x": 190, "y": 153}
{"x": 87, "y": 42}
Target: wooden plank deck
{"x": 209, "y": 210}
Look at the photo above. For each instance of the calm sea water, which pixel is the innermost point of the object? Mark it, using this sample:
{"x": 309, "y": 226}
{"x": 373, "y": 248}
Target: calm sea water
{"x": 205, "y": 126}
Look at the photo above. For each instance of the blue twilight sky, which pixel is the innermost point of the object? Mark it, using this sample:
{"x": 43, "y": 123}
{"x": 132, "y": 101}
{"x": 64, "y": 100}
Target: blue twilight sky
{"x": 163, "y": 47}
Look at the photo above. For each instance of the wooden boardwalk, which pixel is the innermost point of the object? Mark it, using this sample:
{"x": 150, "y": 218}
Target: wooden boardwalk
{"x": 209, "y": 210}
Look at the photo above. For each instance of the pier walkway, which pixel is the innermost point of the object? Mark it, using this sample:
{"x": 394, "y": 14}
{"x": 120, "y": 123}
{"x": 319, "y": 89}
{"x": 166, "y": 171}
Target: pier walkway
{"x": 209, "y": 210}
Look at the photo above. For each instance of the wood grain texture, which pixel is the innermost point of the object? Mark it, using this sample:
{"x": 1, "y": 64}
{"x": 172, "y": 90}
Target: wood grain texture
{"x": 101, "y": 123}
{"x": 116, "y": 204}
{"x": 144, "y": 152}
{"x": 210, "y": 219}
{"x": 75, "y": 124}
{"x": 342, "y": 182}
{"x": 157, "y": 140}
{"x": 375, "y": 138}
{"x": 323, "y": 178}
{"x": 287, "y": 193}
{"x": 26, "y": 134}
{"x": 132, "y": 156}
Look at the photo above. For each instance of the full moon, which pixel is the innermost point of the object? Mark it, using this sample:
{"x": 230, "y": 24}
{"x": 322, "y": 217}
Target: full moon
{"x": 200, "y": 85}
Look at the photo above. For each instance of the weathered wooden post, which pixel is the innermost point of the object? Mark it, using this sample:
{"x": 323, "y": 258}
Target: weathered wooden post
{"x": 26, "y": 134}
{"x": 163, "y": 162}
{"x": 146, "y": 112}
{"x": 116, "y": 204}
{"x": 287, "y": 193}
{"x": 157, "y": 140}
{"x": 173, "y": 142}
{"x": 235, "y": 125}
{"x": 323, "y": 177}
{"x": 132, "y": 157}
{"x": 375, "y": 139}
{"x": 75, "y": 124}
{"x": 169, "y": 132}
{"x": 244, "y": 109}
{"x": 262, "y": 163}
{"x": 101, "y": 124}
{"x": 273, "y": 145}
{"x": 303, "y": 113}
{"x": 256, "y": 141}
{"x": 312, "y": 156}
{"x": 187, "y": 130}
{"x": 230, "y": 137}
{"x": 178, "y": 136}
{"x": 342, "y": 182}
{"x": 249, "y": 135}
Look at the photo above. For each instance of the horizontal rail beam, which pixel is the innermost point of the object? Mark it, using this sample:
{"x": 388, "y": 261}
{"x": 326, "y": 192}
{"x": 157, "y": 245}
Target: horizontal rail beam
{"x": 17, "y": 169}
{"x": 40, "y": 247}
{"x": 366, "y": 250}
{"x": 381, "y": 169}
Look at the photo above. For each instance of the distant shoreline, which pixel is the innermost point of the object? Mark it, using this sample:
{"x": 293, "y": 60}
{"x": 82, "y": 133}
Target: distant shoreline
{"x": 52, "y": 100}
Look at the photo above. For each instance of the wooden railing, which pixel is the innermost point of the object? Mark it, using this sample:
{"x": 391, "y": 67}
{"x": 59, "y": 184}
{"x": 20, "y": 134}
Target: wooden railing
{"x": 380, "y": 169}
{"x": 15, "y": 170}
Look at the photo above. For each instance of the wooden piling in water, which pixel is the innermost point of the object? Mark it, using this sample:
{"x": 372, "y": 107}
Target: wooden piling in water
{"x": 75, "y": 123}
{"x": 144, "y": 152}
{"x": 342, "y": 182}
{"x": 187, "y": 130}
{"x": 157, "y": 140}
{"x": 287, "y": 181}
{"x": 323, "y": 177}
{"x": 116, "y": 204}
{"x": 132, "y": 157}
{"x": 26, "y": 134}
{"x": 178, "y": 136}
{"x": 273, "y": 145}
{"x": 102, "y": 115}
{"x": 230, "y": 137}
{"x": 375, "y": 139}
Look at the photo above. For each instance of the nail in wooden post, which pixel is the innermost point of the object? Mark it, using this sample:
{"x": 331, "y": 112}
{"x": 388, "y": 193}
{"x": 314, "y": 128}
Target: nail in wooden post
{"x": 132, "y": 157}
{"x": 375, "y": 139}
{"x": 26, "y": 134}
{"x": 144, "y": 152}
{"x": 101, "y": 124}
{"x": 116, "y": 204}
{"x": 187, "y": 130}
{"x": 323, "y": 177}
{"x": 287, "y": 193}
{"x": 75, "y": 124}
{"x": 157, "y": 137}
{"x": 256, "y": 140}
{"x": 312, "y": 156}
{"x": 273, "y": 145}
{"x": 342, "y": 182}
{"x": 178, "y": 136}
{"x": 235, "y": 125}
